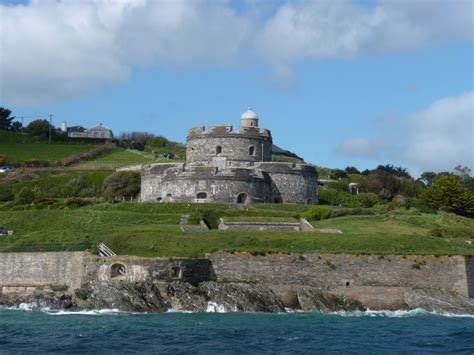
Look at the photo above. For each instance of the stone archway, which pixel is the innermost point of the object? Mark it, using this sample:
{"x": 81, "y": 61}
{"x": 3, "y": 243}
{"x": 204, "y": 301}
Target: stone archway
{"x": 242, "y": 198}
{"x": 117, "y": 269}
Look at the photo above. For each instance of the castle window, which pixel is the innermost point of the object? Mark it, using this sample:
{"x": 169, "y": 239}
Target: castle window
{"x": 201, "y": 195}
{"x": 277, "y": 200}
{"x": 218, "y": 150}
{"x": 242, "y": 198}
{"x": 252, "y": 150}
{"x": 169, "y": 198}
{"x": 159, "y": 199}
{"x": 117, "y": 270}
{"x": 176, "y": 272}
{"x": 310, "y": 201}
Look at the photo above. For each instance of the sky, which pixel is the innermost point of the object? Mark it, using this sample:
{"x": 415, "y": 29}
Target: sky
{"x": 340, "y": 83}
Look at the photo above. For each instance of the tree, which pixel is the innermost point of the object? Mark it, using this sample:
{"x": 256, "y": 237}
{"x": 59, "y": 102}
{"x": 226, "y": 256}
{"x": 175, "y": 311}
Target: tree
{"x": 5, "y": 119}
{"x": 121, "y": 184}
{"x": 352, "y": 170}
{"x": 447, "y": 194}
{"x": 16, "y": 126}
{"x": 427, "y": 178}
{"x": 40, "y": 128}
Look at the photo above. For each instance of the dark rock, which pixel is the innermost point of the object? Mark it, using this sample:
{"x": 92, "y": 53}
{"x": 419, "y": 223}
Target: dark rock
{"x": 241, "y": 296}
{"x": 439, "y": 301}
{"x": 311, "y": 299}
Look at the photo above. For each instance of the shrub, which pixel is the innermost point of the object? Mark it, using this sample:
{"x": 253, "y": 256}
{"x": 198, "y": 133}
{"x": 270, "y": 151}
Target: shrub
{"x": 6, "y": 194}
{"x": 102, "y": 149}
{"x": 77, "y": 202}
{"x": 122, "y": 184}
{"x": 3, "y": 159}
{"x": 318, "y": 213}
{"x": 35, "y": 163}
{"x": 418, "y": 204}
{"x": 211, "y": 218}
{"x": 25, "y": 196}
{"x": 338, "y": 198}
{"x": 340, "y": 212}
{"x": 367, "y": 199}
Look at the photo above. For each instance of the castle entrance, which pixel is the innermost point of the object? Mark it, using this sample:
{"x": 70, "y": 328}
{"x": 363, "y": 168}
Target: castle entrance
{"x": 242, "y": 198}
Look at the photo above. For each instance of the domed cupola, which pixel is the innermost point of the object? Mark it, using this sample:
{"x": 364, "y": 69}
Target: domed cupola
{"x": 249, "y": 119}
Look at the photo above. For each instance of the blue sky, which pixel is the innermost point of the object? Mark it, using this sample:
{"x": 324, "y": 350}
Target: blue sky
{"x": 338, "y": 82}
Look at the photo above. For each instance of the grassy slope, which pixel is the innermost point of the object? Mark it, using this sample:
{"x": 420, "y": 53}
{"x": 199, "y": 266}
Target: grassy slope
{"x": 153, "y": 230}
{"x": 127, "y": 157}
{"x": 19, "y": 147}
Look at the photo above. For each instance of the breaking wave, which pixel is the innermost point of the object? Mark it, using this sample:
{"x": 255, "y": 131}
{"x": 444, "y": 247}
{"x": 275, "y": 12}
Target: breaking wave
{"x": 400, "y": 313}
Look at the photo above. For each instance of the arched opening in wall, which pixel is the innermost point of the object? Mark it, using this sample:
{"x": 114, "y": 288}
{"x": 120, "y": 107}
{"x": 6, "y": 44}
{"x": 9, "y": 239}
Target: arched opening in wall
{"x": 159, "y": 199}
{"x": 277, "y": 199}
{"x": 169, "y": 198}
{"x": 176, "y": 272}
{"x": 252, "y": 150}
{"x": 242, "y": 198}
{"x": 117, "y": 270}
{"x": 201, "y": 196}
{"x": 218, "y": 150}
{"x": 309, "y": 201}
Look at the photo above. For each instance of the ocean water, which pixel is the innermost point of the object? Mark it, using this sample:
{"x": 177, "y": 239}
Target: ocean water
{"x": 108, "y": 331}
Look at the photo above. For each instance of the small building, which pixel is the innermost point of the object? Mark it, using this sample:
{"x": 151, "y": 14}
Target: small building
{"x": 99, "y": 131}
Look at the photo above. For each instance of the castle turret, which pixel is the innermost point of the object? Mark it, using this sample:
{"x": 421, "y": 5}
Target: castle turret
{"x": 249, "y": 119}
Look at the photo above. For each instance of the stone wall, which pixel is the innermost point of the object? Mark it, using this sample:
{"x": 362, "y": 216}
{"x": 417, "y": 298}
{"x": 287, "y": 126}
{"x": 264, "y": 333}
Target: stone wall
{"x": 336, "y": 271}
{"x": 292, "y": 183}
{"x": 176, "y": 185}
{"x": 235, "y": 147}
{"x": 41, "y": 269}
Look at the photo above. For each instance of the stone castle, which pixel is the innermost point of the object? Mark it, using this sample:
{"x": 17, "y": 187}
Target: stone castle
{"x": 227, "y": 166}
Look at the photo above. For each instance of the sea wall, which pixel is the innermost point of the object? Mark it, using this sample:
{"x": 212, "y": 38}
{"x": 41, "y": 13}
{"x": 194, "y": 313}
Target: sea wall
{"x": 239, "y": 281}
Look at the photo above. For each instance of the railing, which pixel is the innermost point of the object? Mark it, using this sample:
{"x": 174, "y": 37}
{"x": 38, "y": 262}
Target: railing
{"x": 104, "y": 250}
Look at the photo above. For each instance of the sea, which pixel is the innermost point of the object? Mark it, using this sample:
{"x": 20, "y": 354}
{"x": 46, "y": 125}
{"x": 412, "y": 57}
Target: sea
{"x": 26, "y": 330}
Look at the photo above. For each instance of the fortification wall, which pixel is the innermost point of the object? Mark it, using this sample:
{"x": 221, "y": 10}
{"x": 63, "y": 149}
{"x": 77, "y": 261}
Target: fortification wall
{"x": 221, "y": 189}
{"x": 203, "y": 146}
{"x": 62, "y": 269}
{"x": 355, "y": 273}
{"x": 292, "y": 183}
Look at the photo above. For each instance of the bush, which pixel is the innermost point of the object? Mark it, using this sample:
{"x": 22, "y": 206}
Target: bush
{"x": 418, "y": 204}
{"x": 25, "y": 196}
{"x": 35, "y": 163}
{"x": 338, "y": 198}
{"x": 340, "y": 212}
{"x": 3, "y": 159}
{"x": 100, "y": 150}
{"x": 6, "y": 194}
{"x": 122, "y": 184}
{"x": 77, "y": 202}
{"x": 367, "y": 199}
{"x": 318, "y": 213}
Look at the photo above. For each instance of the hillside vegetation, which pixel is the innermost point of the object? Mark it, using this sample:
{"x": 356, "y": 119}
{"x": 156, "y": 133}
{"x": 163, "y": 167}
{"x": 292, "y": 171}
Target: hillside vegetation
{"x": 153, "y": 230}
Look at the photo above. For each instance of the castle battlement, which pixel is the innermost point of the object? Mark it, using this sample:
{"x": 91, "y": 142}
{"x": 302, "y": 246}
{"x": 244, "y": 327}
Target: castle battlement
{"x": 230, "y": 166}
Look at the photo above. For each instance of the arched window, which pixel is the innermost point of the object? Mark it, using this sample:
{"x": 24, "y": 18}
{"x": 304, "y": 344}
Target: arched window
{"x": 277, "y": 200}
{"x": 201, "y": 195}
{"x": 309, "y": 201}
{"x": 169, "y": 198}
{"x": 252, "y": 150}
{"x": 117, "y": 270}
{"x": 218, "y": 150}
{"x": 242, "y": 198}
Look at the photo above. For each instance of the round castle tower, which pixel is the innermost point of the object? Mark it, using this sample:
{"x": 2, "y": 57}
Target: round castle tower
{"x": 227, "y": 166}
{"x": 221, "y": 143}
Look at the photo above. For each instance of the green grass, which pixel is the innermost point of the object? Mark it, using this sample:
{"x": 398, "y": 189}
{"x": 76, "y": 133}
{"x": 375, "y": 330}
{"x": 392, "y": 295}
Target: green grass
{"x": 129, "y": 157}
{"x": 19, "y": 147}
{"x": 153, "y": 230}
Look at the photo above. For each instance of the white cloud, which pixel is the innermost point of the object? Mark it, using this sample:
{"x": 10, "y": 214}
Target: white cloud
{"x": 436, "y": 138}
{"x": 54, "y": 50}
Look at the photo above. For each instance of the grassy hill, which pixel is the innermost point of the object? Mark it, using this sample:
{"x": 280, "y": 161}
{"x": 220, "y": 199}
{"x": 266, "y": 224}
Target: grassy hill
{"x": 153, "y": 230}
{"x": 19, "y": 147}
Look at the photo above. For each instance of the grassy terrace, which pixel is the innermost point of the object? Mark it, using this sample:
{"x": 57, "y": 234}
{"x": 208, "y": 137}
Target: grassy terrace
{"x": 153, "y": 230}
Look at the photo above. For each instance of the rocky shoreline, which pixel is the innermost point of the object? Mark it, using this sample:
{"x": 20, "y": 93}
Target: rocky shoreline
{"x": 230, "y": 297}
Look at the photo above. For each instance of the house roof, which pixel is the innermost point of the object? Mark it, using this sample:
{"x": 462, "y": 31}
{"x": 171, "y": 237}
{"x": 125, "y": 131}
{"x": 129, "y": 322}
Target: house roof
{"x": 100, "y": 127}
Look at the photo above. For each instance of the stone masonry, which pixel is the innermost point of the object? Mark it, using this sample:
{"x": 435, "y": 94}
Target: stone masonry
{"x": 228, "y": 166}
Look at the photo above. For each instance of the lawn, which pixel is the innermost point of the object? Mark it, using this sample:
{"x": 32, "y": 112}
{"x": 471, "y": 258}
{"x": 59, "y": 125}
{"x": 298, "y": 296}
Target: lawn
{"x": 153, "y": 230}
{"x": 128, "y": 157}
{"x": 20, "y": 147}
